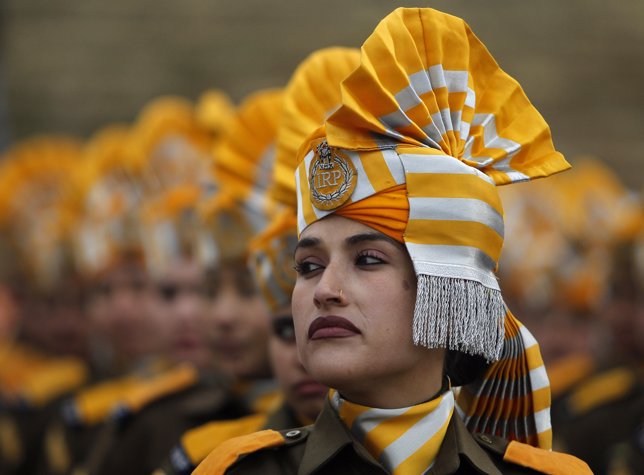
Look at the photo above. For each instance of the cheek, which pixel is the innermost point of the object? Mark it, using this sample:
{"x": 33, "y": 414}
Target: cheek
{"x": 299, "y": 306}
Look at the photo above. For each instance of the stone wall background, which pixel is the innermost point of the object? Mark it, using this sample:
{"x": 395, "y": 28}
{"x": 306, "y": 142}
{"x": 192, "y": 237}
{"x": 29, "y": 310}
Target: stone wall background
{"x": 72, "y": 66}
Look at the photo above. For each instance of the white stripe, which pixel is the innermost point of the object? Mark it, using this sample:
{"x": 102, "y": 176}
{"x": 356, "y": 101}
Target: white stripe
{"x": 420, "y": 82}
{"x": 440, "y": 164}
{"x": 265, "y": 166}
{"x": 301, "y": 222}
{"x": 542, "y": 420}
{"x": 539, "y": 378}
{"x": 372, "y": 418}
{"x": 455, "y": 118}
{"x": 456, "y": 80}
{"x": 448, "y": 261}
{"x": 418, "y": 434}
{"x": 528, "y": 340}
{"x": 456, "y": 209}
{"x": 395, "y": 165}
{"x": 408, "y": 98}
{"x": 470, "y": 98}
{"x": 433, "y": 134}
{"x": 436, "y": 76}
{"x": 395, "y": 120}
{"x": 514, "y": 175}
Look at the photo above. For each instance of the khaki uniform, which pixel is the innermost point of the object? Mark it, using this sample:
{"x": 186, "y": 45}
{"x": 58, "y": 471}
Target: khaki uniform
{"x": 32, "y": 387}
{"x": 328, "y": 447}
{"x": 137, "y": 443}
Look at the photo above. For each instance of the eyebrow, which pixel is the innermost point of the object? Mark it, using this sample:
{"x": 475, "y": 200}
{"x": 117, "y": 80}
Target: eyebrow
{"x": 306, "y": 243}
{"x": 369, "y": 237}
{"x": 350, "y": 241}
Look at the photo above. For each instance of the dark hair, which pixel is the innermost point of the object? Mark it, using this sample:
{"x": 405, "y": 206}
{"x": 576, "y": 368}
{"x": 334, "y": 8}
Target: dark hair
{"x": 462, "y": 368}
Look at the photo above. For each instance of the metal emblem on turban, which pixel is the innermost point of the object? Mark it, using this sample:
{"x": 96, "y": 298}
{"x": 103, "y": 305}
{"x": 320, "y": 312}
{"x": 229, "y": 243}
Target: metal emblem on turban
{"x": 332, "y": 177}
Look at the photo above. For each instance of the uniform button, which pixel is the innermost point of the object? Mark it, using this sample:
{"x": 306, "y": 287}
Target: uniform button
{"x": 293, "y": 434}
{"x": 485, "y": 439}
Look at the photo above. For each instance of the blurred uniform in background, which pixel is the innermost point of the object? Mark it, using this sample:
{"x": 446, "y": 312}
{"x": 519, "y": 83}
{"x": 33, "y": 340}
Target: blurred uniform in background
{"x": 572, "y": 268}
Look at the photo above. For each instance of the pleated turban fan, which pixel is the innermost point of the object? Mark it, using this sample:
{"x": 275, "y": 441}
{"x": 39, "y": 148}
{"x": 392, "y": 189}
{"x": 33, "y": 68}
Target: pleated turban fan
{"x": 171, "y": 146}
{"x": 311, "y": 95}
{"x": 106, "y": 190}
{"x": 33, "y": 219}
{"x": 428, "y": 127}
{"x": 242, "y": 163}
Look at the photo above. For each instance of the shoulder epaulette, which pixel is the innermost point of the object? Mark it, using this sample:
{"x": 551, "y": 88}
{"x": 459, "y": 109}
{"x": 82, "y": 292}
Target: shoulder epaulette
{"x": 93, "y": 405}
{"x": 604, "y": 388}
{"x": 224, "y": 456}
{"x": 544, "y": 461}
{"x": 170, "y": 382}
{"x": 199, "y": 442}
{"x": 54, "y": 379}
{"x": 567, "y": 372}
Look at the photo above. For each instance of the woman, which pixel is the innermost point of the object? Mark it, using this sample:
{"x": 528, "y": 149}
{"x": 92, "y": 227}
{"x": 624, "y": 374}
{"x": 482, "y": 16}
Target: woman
{"x": 396, "y": 300}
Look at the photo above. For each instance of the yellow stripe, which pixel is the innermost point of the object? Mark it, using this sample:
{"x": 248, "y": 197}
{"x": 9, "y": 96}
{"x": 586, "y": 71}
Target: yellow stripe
{"x": 455, "y": 233}
{"x": 534, "y": 357}
{"x": 377, "y": 171}
{"x": 541, "y": 399}
{"x": 379, "y": 438}
{"x": 545, "y": 439}
{"x": 417, "y": 463}
{"x": 451, "y": 185}
{"x": 349, "y": 412}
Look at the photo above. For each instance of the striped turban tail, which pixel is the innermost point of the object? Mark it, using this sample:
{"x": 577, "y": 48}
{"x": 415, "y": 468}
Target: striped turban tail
{"x": 429, "y": 116}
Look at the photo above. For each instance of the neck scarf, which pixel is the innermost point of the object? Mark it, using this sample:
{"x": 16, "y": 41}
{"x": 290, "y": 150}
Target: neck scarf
{"x": 404, "y": 440}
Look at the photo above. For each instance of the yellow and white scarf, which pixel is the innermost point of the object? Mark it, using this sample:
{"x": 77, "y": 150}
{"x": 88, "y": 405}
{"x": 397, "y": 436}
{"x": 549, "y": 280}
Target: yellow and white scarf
{"x": 404, "y": 440}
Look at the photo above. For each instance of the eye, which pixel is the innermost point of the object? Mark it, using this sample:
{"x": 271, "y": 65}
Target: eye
{"x": 368, "y": 258}
{"x": 283, "y": 329}
{"x": 306, "y": 267}
{"x": 168, "y": 292}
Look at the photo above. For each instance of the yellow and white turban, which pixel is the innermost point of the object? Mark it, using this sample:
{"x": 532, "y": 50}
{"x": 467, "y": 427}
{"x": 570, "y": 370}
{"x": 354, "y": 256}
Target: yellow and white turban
{"x": 242, "y": 163}
{"x": 271, "y": 257}
{"x": 312, "y": 93}
{"x": 33, "y": 179}
{"x": 105, "y": 191}
{"x": 429, "y": 126}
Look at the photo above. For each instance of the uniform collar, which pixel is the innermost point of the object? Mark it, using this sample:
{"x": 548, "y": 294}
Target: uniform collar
{"x": 330, "y": 436}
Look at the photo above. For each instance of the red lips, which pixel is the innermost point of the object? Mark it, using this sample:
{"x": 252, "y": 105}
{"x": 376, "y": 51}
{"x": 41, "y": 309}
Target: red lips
{"x": 332, "y": 327}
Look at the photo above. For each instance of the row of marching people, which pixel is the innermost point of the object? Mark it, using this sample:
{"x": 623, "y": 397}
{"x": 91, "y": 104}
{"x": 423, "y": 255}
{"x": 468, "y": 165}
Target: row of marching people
{"x": 148, "y": 274}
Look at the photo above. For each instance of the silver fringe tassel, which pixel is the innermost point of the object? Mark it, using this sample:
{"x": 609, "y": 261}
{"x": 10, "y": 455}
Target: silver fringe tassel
{"x": 459, "y": 314}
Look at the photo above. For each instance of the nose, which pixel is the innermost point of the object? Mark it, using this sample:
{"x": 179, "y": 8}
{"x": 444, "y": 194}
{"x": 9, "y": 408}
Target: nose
{"x": 189, "y": 308}
{"x": 225, "y": 308}
{"x": 329, "y": 289}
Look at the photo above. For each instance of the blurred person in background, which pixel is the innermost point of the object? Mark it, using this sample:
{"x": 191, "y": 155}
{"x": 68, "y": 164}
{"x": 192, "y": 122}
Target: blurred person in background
{"x": 47, "y": 355}
{"x": 571, "y": 264}
{"x": 195, "y": 236}
{"x": 312, "y": 92}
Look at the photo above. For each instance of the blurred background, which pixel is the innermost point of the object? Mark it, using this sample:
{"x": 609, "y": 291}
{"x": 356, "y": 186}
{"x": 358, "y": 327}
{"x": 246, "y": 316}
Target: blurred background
{"x": 73, "y": 65}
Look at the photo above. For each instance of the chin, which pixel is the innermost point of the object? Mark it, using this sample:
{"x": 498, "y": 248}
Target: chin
{"x": 335, "y": 372}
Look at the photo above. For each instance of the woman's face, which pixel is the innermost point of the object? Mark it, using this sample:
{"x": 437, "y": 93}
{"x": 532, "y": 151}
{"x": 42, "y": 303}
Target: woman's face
{"x": 238, "y": 322}
{"x": 302, "y": 393}
{"x": 353, "y": 306}
{"x": 180, "y": 305}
